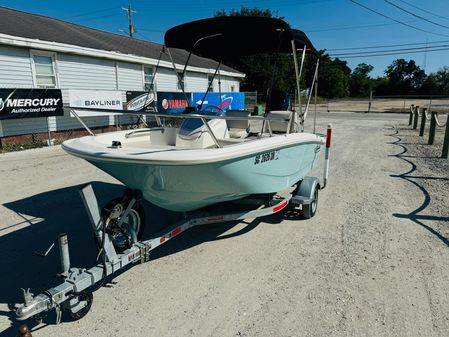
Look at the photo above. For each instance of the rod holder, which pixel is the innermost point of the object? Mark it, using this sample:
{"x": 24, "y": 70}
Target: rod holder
{"x": 63, "y": 244}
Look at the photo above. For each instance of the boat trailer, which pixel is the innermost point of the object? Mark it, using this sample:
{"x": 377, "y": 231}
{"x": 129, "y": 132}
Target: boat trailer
{"x": 74, "y": 294}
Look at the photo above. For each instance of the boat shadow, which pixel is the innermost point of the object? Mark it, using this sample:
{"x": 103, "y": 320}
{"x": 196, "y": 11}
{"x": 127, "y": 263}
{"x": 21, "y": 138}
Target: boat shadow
{"x": 218, "y": 231}
{"x": 48, "y": 214}
{"x": 43, "y": 217}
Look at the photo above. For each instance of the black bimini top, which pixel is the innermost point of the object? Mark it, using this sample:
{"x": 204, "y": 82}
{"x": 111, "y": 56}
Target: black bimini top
{"x": 229, "y": 37}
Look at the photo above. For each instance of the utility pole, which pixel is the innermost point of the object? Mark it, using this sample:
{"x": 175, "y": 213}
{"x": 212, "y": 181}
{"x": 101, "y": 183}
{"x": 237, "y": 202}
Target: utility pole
{"x": 425, "y": 56}
{"x": 130, "y": 19}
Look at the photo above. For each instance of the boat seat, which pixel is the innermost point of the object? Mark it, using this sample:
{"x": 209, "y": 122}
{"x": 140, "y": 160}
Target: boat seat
{"x": 283, "y": 120}
{"x": 238, "y": 128}
{"x": 194, "y": 134}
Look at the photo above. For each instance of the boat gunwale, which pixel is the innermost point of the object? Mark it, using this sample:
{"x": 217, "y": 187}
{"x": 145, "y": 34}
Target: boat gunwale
{"x": 179, "y": 162}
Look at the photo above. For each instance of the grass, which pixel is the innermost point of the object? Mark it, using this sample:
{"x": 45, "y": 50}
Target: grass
{"x": 20, "y": 146}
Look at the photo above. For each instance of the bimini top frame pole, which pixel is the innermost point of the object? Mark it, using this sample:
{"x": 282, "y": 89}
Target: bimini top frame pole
{"x": 181, "y": 78}
{"x": 298, "y": 74}
{"x": 315, "y": 77}
{"x": 209, "y": 85}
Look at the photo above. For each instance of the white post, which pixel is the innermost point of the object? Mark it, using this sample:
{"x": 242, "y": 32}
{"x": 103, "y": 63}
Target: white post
{"x": 326, "y": 155}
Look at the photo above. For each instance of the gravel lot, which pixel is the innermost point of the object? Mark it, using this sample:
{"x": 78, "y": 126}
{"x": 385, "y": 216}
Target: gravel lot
{"x": 372, "y": 262}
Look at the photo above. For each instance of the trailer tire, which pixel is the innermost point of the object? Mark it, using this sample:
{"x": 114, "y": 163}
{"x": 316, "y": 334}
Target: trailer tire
{"x": 309, "y": 210}
{"x": 136, "y": 215}
{"x": 89, "y": 298}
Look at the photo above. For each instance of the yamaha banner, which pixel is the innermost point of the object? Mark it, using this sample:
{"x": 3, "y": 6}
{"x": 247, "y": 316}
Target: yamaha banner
{"x": 173, "y": 102}
{"x": 30, "y": 103}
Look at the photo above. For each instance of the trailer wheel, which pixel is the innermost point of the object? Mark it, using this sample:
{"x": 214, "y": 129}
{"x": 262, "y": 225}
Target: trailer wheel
{"x": 88, "y": 299}
{"x": 135, "y": 221}
{"x": 309, "y": 210}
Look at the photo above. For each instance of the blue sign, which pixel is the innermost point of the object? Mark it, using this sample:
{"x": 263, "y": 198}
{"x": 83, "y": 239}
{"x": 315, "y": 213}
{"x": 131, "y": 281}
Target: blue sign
{"x": 227, "y": 100}
{"x": 172, "y": 102}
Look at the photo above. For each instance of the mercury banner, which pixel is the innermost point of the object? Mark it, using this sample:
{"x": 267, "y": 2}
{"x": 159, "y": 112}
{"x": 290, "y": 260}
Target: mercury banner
{"x": 30, "y": 103}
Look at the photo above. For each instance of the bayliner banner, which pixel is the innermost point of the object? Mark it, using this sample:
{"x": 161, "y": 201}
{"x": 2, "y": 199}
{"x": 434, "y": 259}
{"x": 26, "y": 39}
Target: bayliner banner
{"x": 143, "y": 101}
{"x": 95, "y": 99}
{"x": 30, "y": 103}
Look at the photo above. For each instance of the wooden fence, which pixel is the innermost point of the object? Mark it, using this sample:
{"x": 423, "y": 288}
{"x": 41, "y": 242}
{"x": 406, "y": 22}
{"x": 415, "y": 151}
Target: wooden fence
{"x": 416, "y": 113}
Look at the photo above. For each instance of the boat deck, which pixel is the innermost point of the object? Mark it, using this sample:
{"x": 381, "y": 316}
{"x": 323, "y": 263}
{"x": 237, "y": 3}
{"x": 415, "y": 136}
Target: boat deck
{"x": 145, "y": 143}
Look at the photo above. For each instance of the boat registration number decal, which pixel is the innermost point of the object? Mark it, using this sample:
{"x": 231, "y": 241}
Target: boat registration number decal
{"x": 267, "y": 156}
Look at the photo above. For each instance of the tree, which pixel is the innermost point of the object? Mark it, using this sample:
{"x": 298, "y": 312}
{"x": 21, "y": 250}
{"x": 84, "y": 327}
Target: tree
{"x": 405, "y": 77}
{"x": 264, "y": 69}
{"x": 430, "y": 86}
{"x": 333, "y": 78}
{"x": 442, "y": 81}
{"x": 245, "y": 11}
{"x": 381, "y": 85}
{"x": 360, "y": 84}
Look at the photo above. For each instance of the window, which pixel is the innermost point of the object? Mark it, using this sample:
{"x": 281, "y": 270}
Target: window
{"x": 232, "y": 88}
{"x": 210, "y": 82}
{"x": 148, "y": 75}
{"x": 44, "y": 71}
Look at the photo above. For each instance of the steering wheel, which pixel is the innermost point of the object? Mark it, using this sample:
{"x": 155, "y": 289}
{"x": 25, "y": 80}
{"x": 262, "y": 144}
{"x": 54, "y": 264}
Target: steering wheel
{"x": 214, "y": 108}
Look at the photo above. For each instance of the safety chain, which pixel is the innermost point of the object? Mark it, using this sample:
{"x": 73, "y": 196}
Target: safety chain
{"x": 441, "y": 125}
{"x": 427, "y": 116}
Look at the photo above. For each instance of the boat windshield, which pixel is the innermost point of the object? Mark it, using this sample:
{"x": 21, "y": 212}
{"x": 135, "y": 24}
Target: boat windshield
{"x": 191, "y": 124}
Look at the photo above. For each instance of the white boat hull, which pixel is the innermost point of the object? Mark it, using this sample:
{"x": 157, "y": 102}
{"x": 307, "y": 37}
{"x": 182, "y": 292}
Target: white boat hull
{"x": 184, "y": 185}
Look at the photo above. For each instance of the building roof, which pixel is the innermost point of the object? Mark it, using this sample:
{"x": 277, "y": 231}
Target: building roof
{"x": 39, "y": 27}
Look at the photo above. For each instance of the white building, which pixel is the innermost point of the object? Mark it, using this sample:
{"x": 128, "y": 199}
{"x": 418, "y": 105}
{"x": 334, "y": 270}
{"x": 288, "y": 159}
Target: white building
{"x": 41, "y": 52}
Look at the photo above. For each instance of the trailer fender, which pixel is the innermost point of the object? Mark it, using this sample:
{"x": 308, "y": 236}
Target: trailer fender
{"x": 304, "y": 194}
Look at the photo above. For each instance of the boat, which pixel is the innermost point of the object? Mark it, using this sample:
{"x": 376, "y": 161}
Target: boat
{"x": 213, "y": 156}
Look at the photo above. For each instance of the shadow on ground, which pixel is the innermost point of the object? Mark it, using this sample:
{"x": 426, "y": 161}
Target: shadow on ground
{"x": 62, "y": 211}
{"x": 408, "y": 176}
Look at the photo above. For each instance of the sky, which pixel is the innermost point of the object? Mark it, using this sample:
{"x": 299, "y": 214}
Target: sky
{"x": 330, "y": 24}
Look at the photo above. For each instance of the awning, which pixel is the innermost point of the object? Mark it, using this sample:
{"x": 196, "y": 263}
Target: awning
{"x": 229, "y": 37}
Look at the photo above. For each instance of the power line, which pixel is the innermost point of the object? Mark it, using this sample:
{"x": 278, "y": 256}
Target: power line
{"x": 394, "y": 50}
{"x": 423, "y": 10}
{"x": 391, "y": 45}
{"x": 400, "y": 22}
{"x": 152, "y": 30}
{"x": 89, "y": 13}
{"x": 388, "y": 53}
{"x": 96, "y": 18}
{"x": 415, "y": 15}
{"x": 347, "y": 27}
{"x": 245, "y": 3}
